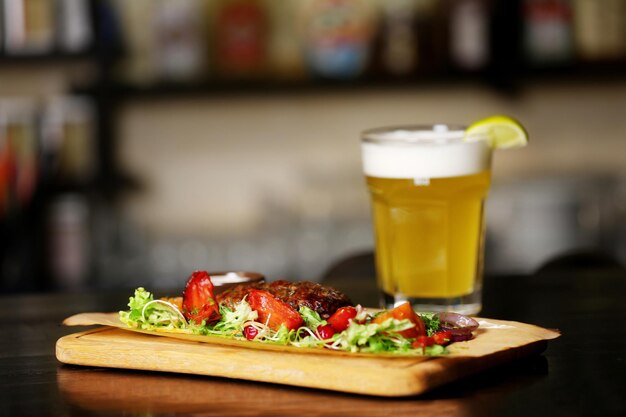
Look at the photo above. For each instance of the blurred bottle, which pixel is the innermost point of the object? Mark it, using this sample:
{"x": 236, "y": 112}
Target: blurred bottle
{"x": 68, "y": 151}
{"x": 433, "y": 37}
{"x": 240, "y": 39}
{"x": 180, "y": 52}
{"x": 548, "y": 32}
{"x": 469, "y": 33}
{"x": 615, "y": 228}
{"x": 75, "y": 26}
{"x": 397, "y": 38}
{"x": 18, "y": 154}
{"x": 600, "y": 29}
{"x": 2, "y": 27}
{"x": 69, "y": 242}
{"x": 285, "y": 48}
{"x": 137, "y": 27}
{"x": 29, "y": 26}
{"x": 5, "y": 164}
{"x": 337, "y": 36}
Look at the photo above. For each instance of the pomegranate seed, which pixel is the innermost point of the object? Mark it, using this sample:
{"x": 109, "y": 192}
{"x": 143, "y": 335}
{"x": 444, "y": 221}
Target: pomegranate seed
{"x": 250, "y": 332}
{"x": 325, "y": 332}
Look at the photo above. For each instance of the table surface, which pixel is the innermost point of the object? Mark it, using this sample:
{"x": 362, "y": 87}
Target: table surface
{"x": 582, "y": 373}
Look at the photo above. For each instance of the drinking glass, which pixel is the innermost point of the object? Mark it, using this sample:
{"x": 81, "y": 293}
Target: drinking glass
{"x": 428, "y": 188}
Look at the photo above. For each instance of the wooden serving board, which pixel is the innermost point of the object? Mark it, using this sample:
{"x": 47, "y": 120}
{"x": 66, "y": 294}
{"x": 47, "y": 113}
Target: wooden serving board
{"x": 496, "y": 342}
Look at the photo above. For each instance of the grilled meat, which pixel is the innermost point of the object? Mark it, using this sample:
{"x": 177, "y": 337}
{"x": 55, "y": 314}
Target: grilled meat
{"x": 324, "y": 300}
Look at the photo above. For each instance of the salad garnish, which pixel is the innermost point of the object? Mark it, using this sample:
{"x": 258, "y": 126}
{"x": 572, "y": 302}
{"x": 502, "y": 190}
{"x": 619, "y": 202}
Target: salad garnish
{"x": 262, "y": 318}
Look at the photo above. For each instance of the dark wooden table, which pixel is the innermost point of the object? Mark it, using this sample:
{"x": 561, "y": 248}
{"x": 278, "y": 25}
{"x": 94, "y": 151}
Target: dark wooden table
{"x": 582, "y": 373}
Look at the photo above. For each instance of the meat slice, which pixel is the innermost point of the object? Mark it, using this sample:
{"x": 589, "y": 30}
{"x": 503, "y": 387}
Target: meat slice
{"x": 324, "y": 300}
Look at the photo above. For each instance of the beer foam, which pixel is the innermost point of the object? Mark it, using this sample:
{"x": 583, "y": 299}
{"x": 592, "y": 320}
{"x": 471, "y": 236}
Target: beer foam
{"x": 413, "y": 153}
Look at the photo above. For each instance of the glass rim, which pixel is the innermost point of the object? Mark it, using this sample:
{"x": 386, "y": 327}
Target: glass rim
{"x": 410, "y": 133}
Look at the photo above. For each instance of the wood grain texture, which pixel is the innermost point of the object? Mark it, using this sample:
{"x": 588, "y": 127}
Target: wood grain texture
{"x": 399, "y": 376}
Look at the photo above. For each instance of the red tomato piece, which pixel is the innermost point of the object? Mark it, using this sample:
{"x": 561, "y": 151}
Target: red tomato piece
{"x": 423, "y": 341}
{"x": 325, "y": 332}
{"x": 442, "y": 337}
{"x": 340, "y": 320}
{"x": 401, "y": 312}
{"x": 198, "y": 299}
{"x": 273, "y": 311}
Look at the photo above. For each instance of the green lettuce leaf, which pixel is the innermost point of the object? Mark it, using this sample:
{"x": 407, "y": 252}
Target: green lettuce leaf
{"x": 146, "y": 313}
{"x": 311, "y": 318}
{"x": 232, "y": 321}
{"x": 374, "y": 337}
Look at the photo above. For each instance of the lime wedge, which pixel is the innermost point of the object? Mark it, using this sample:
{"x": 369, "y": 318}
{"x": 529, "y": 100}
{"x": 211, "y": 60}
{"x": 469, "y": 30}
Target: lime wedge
{"x": 502, "y": 132}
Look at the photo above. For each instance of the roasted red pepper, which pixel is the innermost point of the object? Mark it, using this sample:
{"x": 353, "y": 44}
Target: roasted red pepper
{"x": 198, "y": 299}
{"x": 273, "y": 311}
{"x": 404, "y": 311}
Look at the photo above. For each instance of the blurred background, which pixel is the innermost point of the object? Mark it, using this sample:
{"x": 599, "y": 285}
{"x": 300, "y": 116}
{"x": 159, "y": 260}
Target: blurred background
{"x": 141, "y": 140}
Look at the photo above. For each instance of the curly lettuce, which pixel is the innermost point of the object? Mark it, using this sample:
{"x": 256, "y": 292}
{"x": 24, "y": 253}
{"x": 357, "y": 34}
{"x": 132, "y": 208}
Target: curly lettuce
{"x": 232, "y": 322}
{"x": 374, "y": 337}
{"x": 147, "y": 313}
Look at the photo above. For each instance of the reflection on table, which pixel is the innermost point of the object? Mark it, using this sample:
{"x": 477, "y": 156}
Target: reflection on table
{"x": 129, "y": 392}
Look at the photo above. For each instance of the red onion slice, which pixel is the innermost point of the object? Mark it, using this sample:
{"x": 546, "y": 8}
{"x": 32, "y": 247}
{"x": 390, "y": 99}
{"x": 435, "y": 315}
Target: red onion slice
{"x": 457, "y": 324}
{"x": 461, "y": 337}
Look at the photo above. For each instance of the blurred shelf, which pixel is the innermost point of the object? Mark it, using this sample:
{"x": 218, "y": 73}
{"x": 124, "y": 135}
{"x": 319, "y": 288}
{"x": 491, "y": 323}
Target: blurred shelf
{"x": 221, "y": 88}
{"x": 505, "y": 83}
{"x": 600, "y": 71}
{"x": 47, "y": 58}
{"x": 107, "y": 186}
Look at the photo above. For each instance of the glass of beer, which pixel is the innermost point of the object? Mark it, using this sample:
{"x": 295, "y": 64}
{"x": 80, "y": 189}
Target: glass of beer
{"x": 428, "y": 188}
